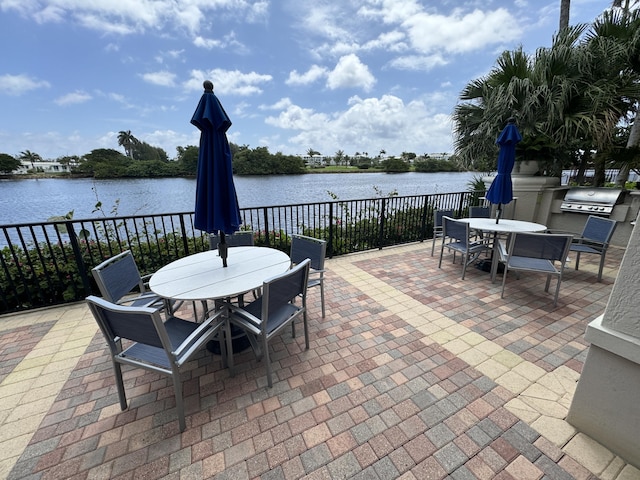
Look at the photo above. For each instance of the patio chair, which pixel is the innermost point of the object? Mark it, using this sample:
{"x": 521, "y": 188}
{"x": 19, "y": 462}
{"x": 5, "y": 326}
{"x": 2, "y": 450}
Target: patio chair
{"x": 314, "y": 249}
{"x": 241, "y": 238}
{"x": 265, "y": 317}
{"x": 118, "y": 276}
{"x": 595, "y": 238}
{"x": 536, "y": 252}
{"x": 479, "y": 211}
{"x": 437, "y": 225}
{"x": 457, "y": 236}
{"x": 159, "y": 346}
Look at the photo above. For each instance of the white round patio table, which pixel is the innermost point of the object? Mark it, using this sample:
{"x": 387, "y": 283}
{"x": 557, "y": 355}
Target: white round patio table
{"x": 504, "y": 225}
{"x": 201, "y": 276}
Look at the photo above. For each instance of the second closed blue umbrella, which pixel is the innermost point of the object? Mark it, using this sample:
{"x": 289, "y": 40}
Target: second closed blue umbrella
{"x": 501, "y": 190}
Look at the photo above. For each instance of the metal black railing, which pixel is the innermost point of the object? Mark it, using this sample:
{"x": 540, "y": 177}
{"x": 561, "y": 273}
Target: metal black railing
{"x": 43, "y": 264}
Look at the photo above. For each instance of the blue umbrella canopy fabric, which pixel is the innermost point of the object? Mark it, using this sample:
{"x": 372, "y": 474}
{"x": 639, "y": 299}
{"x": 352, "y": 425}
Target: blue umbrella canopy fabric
{"x": 216, "y": 208}
{"x": 501, "y": 189}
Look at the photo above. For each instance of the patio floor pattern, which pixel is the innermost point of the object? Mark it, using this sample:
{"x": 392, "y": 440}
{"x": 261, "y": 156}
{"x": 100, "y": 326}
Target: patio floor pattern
{"x": 413, "y": 374}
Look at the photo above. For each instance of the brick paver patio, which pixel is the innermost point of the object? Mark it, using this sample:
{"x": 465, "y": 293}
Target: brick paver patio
{"x": 413, "y": 374}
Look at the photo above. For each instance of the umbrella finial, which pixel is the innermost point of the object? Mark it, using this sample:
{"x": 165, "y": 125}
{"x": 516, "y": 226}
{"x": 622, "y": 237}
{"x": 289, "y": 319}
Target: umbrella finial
{"x": 208, "y": 86}
{"x": 511, "y": 120}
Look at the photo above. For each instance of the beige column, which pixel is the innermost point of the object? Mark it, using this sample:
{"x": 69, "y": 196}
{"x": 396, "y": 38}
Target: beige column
{"x": 606, "y": 404}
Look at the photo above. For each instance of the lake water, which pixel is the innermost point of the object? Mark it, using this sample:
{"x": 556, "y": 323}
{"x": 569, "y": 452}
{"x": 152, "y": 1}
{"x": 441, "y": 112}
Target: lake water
{"x": 30, "y": 200}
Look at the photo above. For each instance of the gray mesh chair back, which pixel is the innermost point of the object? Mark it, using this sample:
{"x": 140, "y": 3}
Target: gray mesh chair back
{"x": 539, "y": 253}
{"x": 303, "y": 247}
{"x": 594, "y": 239}
{"x": 242, "y": 238}
{"x": 456, "y": 236}
{"x": 156, "y": 345}
{"x": 437, "y": 225}
{"x": 118, "y": 276}
{"x": 265, "y": 317}
{"x": 480, "y": 212}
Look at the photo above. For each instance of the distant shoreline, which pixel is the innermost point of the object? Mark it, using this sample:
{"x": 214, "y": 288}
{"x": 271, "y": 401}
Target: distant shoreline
{"x": 71, "y": 176}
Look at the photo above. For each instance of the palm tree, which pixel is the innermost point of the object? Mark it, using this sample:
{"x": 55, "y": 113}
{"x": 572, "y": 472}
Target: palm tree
{"x": 622, "y": 24}
{"x": 566, "y": 98}
{"x": 29, "y": 156}
{"x": 565, "y": 6}
{"x": 127, "y": 141}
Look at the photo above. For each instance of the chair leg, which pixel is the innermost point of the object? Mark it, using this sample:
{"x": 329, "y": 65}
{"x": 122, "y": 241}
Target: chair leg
{"x": 177, "y": 388}
{"x": 555, "y": 299}
{"x": 122, "y": 396}
{"x": 265, "y": 347}
{"x": 322, "y": 296}
{"x": 577, "y": 260}
{"x": 504, "y": 280}
{"x": 227, "y": 335}
{"x": 433, "y": 243}
{"x": 306, "y": 330}
{"x": 546, "y": 286}
{"x": 464, "y": 264}
{"x": 601, "y": 266}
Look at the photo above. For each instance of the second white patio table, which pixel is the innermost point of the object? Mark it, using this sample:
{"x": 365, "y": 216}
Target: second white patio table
{"x": 489, "y": 225}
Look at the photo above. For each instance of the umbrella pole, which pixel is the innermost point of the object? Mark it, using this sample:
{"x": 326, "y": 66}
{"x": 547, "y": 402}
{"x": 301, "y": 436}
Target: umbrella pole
{"x": 223, "y": 248}
{"x": 498, "y": 212}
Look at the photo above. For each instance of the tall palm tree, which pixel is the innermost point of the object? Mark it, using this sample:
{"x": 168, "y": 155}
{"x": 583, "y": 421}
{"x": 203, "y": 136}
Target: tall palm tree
{"x": 622, "y": 24}
{"x": 565, "y": 98}
{"x": 565, "y": 6}
{"x": 127, "y": 141}
{"x": 29, "y": 156}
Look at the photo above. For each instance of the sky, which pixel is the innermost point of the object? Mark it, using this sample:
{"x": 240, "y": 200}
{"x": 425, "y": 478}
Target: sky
{"x": 293, "y": 75}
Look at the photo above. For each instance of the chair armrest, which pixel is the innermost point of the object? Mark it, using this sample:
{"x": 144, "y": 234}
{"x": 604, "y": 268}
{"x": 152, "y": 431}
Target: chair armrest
{"x": 188, "y": 343}
{"x": 561, "y": 232}
{"x": 245, "y": 319}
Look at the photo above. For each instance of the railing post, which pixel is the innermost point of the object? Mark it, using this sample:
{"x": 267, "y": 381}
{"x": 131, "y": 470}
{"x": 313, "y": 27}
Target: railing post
{"x": 330, "y": 246}
{"x": 381, "y": 216}
{"x": 265, "y": 212}
{"x": 423, "y": 226}
{"x": 185, "y": 242}
{"x": 82, "y": 268}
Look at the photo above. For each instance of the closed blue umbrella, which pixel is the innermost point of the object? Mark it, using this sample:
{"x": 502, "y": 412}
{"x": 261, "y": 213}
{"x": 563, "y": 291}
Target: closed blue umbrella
{"x": 217, "y": 207}
{"x": 501, "y": 189}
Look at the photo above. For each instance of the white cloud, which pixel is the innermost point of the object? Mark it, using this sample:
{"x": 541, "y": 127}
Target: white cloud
{"x": 73, "y": 98}
{"x": 123, "y": 17}
{"x": 310, "y": 76}
{"x": 386, "y": 122}
{"x": 418, "y": 62}
{"x": 460, "y": 32}
{"x": 350, "y": 72}
{"x": 162, "y": 78}
{"x": 228, "y": 82}
{"x": 19, "y": 84}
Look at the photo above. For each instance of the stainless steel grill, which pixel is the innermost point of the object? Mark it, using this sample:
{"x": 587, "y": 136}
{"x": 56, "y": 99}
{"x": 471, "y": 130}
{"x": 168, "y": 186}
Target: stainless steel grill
{"x": 592, "y": 200}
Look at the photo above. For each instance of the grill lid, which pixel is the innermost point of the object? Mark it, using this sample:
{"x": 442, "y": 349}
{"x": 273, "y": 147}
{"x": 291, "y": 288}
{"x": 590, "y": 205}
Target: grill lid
{"x": 594, "y": 200}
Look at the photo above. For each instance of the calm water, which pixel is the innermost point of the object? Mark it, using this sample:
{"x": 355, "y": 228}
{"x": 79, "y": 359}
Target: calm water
{"x": 25, "y": 201}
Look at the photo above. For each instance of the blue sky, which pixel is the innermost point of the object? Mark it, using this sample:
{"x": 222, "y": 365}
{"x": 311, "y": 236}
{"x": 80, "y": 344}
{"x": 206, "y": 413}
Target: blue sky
{"x": 350, "y": 75}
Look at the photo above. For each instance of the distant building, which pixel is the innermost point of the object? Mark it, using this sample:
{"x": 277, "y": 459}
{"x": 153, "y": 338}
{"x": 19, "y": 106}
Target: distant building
{"x": 41, "y": 167}
{"x": 316, "y": 161}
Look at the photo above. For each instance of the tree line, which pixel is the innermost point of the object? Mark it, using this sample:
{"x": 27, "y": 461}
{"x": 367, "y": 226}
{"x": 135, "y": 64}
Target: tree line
{"x": 142, "y": 160}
